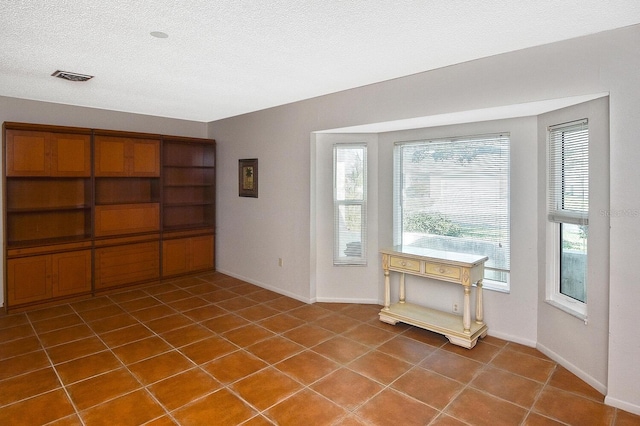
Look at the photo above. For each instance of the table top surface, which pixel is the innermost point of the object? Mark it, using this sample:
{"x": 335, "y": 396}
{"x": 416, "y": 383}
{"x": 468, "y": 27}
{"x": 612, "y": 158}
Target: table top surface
{"x": 442, "y": 256}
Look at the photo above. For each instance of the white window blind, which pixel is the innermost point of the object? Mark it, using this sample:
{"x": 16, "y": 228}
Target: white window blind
{"x": 568, "y": 197}
{"x": 453, "y": 195}
{"x": 350, "y": 207}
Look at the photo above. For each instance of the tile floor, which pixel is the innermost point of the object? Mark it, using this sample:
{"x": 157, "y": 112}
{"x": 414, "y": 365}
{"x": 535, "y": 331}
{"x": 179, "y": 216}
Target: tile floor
{"x": 213, "y": 350}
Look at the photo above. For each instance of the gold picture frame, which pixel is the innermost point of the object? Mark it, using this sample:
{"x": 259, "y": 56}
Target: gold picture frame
{"x": 248, "y": 177}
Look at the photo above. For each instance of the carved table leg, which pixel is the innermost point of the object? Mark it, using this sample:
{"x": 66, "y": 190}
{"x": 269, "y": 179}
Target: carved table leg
{"x": 479, "y": 307}
{"x": 387, "y": 285}
{"x": 402, "y": 290}
{"x": 466, "y": 312}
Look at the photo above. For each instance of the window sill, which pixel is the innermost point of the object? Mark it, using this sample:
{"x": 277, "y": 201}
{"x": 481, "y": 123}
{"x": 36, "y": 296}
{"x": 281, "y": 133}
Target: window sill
{"x": 568, "y": 309}
{"x": 500, "y": 287}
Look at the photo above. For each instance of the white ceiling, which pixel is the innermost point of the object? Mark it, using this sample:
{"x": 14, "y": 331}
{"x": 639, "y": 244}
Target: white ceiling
{"x": 228, "y": 57}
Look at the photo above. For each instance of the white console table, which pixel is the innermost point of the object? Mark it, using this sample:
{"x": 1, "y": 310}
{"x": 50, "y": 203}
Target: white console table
{"x": 458, "y": 268}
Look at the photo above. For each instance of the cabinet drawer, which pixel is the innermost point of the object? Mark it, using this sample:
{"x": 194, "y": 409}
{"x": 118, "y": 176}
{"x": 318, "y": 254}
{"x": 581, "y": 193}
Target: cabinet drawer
{"x": 122, "y": 219}
{"x": 451, "y": 272}
{"x": 406, "y": 264}
{"x": 122, "y": 265}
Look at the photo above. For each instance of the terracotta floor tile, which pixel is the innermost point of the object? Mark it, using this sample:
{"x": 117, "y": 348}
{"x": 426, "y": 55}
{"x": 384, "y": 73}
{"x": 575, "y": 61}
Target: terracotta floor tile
{"x": 111, "y": 385}
{"x": 226, "y": 408}
{"x": 352, "y": 420}
{"x": 309, "y": 313}
{"x": 13, "y": 320}
{"x": 168, "y": 323}
{"x": 245, "y": 288}
{"x": 101, "y": 313}
{"x": 204, "y": 313}
{"x": 131, "y": 409}
{"x": 479, "y": 408}
{"x": 444, "y": 420}
{"x": 188, "y": 303}
{"x": 65, "y": 335}
{"x": 113, "y": 323}
{"x": 235, "y": 304}
{"x": 248, "y": 335}
{"x": 281, "y": 323}
{"x": 207, "y": 350}
{"x": 172, "y": 296}
{"x": 219, "y": 295}
{"x": 481, "y": 352}
{"x": 341, "y": 349}
{"x": 152, "y": 313}
{"x": 160, "y": 288}
{"x": 57, "y": 323}
{"x": 88, "y": 366}
{"x": 22, "y": 364}
{"x": 565, "y": 380}
{"x": 39, "y": 410}
{"x": 225, "y": 323}
{"x": 333, "y": 306}
{"x": 129, "y": 295}
{"x": 257, "y": 312}
{"x": 275, "y": 349}
{"x": 284, "y": 304}
{"x": 392, "y": 408}
{"x": 28, "y": 385}
{"x": 526, "y": 365}
{"x": 125, "y": 335}
{"x": 72, "y": 420}
{"x": 509, "y": 386}
{"x": 624, "y": 418}
{"x": 451, "y": 365}
{"x": 571, "y": 408}
{"x": 362, "y": 312}
{"x": 526, "y": 350}
{"x": 336, "y": 323}
{"x": 201, "y": 288}
{"x": 263, "y": 295}
{"x": 19, "y": 347}
{"x": 75, "y": 349}
{"x": 234, "y": 366}
{"x": 307, "y": 367}
{"x": 428, "y": 387}
{"x": 16, "y": 332}
{"x": 183, "y": 388}
{"x": 186, "y": 335}
{"x": 257, "y": 421}
{"x": 140, "y": 303}
{"x": 305, "y": 407}
{"x": 308, "y": 335}
{"x": 50, "y": 312}
{"x": 380, "y": 367}
{"x": 425, "y": 336}
{"x": 93, "y": 303}
{"x": 141, "y": 349}
{"x": 409, "y": 350}
{"x": 266, "y": 388}
{"x": 368, "y": 335}
{"x": 347, "y": 388}
{"x": 535, "y": 419}
{"x": 160, "y": 367}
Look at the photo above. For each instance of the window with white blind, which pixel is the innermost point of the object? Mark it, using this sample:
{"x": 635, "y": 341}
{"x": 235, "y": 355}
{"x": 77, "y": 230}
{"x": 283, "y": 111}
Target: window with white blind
{"x": 350, "y": 204}
{"x": 568, "y": 213}
{"x": 453, "y": 194}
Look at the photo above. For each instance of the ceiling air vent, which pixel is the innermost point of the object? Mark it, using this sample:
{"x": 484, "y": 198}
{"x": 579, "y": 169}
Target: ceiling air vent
{"x": 71, "y": 76}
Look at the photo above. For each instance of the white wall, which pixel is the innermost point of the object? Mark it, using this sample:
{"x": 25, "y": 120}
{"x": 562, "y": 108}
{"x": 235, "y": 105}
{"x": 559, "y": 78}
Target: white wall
{"x": 253, "y": 233}
{"x": 581, "y": 345}
{"x": 25, "y": 111}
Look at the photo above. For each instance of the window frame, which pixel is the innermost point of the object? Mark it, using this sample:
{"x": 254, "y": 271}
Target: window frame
{"x": 337, "y": 204}
{"x": 554, "y": 238}
{"x": 398, "y": 177}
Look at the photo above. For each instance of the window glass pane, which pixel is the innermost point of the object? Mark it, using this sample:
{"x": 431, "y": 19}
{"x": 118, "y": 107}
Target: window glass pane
{"x": 573, "y": 261}
{"x": 350, "y": 192}
{"x": 454, "y": 196}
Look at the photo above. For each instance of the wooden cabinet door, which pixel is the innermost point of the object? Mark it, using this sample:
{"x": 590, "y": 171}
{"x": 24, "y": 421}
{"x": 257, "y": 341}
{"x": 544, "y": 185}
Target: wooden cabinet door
{"x": 201, "y": 253}
{"x": 126, "y": 264}
{"x": 174, "y": 256}
{"x": 110, "y": 159}
{"x": 28, "y": 279}
{"x": 144, "y": 158}
{"x": 28, "y": 153}
{"x": 70, "y": 155}
{"x": 71, "y": 273}
{"x": 122, "y": 219}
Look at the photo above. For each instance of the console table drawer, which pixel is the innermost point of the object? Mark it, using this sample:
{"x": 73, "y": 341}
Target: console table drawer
{"x": 406, "y": 264}
{"x": 442, "y": 270}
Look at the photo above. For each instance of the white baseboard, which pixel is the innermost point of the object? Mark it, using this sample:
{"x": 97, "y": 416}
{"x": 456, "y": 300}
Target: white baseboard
{"x": 347, "y": 300}
{"x": 265, "y": 286}
{"x": 600, "y": 387}
{"x": 623, "y": 405}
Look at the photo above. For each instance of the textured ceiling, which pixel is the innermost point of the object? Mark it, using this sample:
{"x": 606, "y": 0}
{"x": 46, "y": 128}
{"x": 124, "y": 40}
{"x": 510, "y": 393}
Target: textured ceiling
{"x": 224, "y": 58}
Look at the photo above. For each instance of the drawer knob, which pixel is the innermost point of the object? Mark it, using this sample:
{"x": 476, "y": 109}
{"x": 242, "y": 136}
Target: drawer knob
{"x": 403, "y": 263}
{"x": 442, "y": 270}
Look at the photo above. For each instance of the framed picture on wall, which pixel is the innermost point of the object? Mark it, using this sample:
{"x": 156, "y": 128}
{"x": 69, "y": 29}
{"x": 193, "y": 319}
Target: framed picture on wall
{"x": 248, "y": 177}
